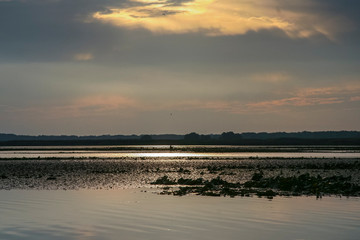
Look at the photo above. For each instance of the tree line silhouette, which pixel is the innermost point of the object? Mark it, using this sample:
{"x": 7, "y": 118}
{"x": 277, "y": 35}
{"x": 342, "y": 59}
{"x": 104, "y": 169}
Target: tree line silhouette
{"x": 226, "y": 138}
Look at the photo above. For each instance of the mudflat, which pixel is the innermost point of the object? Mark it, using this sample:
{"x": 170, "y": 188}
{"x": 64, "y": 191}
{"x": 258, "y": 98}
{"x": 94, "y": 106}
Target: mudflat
{"x": 188, "y": 175}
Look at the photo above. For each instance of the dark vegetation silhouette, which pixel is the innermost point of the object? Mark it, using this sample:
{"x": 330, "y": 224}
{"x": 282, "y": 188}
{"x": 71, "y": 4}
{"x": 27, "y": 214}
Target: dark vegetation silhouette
{"x": 226, "y": 138}
{"x": 230, "y": 136}
{"x": 146, "y": 138}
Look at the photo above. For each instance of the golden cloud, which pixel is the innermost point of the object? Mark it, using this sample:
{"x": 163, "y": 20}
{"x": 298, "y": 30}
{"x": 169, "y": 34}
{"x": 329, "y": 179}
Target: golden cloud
{"x": 83, "y": 56}
{"x": 225, "y": 17}
{"x": 272, "y": 77}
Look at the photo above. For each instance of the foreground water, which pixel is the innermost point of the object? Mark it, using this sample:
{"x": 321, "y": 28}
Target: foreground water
{"x": 134, "y": 214}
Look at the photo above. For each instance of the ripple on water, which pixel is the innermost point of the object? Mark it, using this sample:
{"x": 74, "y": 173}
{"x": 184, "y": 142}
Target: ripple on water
{"x": 133, "y": 214}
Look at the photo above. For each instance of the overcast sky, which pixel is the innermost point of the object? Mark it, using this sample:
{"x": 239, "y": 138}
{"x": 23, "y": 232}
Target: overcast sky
{"x": 176, "y": 66}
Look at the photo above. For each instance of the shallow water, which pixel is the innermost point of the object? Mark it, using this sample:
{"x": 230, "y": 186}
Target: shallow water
{"x": 132, "y": 214}
{"x": 39, "y": 154}
{"x": 161, "y": 151}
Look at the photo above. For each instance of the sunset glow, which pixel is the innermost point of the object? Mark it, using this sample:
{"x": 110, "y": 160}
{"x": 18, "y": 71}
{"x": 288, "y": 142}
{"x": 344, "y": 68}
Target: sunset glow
{"x": 178, "y": 66}
{"x": 214, "y": 18}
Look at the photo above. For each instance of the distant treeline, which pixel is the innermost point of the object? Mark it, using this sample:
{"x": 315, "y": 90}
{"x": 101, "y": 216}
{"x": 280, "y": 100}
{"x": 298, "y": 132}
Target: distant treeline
{"x": 226, "y": 138}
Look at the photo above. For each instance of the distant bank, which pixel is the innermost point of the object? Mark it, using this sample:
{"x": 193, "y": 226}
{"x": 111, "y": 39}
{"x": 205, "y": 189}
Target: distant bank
{"x": 226, "y": 138}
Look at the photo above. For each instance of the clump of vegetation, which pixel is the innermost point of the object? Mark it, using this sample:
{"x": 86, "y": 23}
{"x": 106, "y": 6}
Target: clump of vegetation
{"x": 185, "y": 171}
{"x": 51, "y": 178}
{"x": 306, "y": 184}
{"x": 183, "y": 181}
{"x": 164, "y": 181}
{"x": 264, "y": 187}
{"x": 257, "y": 176}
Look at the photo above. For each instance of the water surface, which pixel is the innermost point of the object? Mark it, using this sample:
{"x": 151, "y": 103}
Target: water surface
{"x": 132, "y": 214}
{"x": 167, "y": 151}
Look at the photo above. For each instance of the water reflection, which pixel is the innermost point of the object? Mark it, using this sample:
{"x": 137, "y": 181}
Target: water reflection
{"x": 167, "y": 154}
{"x": 132, "y": 214}
{"x": 122, "y": 154}
{"x": 179, "y": 151}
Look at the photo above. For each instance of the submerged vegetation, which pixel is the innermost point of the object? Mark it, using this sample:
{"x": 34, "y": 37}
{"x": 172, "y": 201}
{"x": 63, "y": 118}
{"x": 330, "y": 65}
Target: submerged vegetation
{"x": 202, "y": 174}
{"x": 263, "y": 177}
{"x": 261, "y": 186}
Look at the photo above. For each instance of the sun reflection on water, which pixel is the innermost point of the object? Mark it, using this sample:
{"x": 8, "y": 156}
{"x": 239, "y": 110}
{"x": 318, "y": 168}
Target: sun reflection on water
{"x": 166, "y": 154}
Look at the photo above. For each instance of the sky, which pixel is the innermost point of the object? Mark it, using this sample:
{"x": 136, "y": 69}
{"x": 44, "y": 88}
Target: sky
{"x": 93, "y": 67}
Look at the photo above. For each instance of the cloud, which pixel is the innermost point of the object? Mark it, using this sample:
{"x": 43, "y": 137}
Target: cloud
{"x": 49, "y": 31}
{"x": 313, "y": 96}
{"x": 300, "y": 98}
{"x": 107, "y": 105}
{"x": 354, "y": 99}
{"x": 83, "y": 56}
{"x": 345, "y": 89}
{"x": 272, "y": 77}
{"x": 103, "y": 103}
{"x": 226, "y": 17}
{"x": 92, "y": 105}
{"x": 96, "y": 105}
{"x": 295, "y": 101}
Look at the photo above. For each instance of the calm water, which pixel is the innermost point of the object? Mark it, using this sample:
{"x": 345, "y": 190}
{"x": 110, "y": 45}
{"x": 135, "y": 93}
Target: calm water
{"x": 161, "y": 151}
{"x": 81, "y": 154}
{"x": 131, "y": 214}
